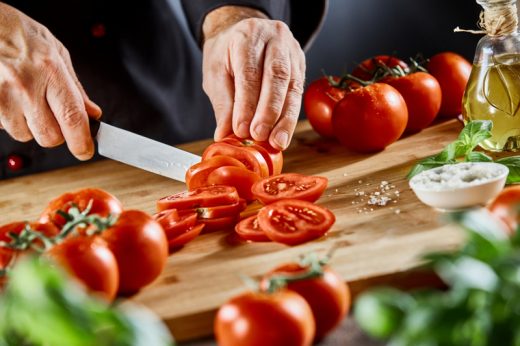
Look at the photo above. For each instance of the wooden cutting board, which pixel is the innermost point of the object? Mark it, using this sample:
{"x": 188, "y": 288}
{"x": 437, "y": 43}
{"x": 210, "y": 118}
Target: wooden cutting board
{"x": 372, "y": 241}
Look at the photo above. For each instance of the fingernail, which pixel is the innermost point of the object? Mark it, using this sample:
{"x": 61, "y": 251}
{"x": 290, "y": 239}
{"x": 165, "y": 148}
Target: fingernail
{"x": 88, "y": 153}
{"x": 243, "y": 130}
{"x": 262, "y": 132}
{"x": 282, "y": 139}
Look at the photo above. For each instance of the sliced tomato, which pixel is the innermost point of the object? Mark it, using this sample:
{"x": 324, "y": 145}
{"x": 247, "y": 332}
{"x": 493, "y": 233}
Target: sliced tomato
{"x": 289, "y": 185}
{"x": 208, "y": 196}
{"x": 294, "y": 222}
{"x": 167, "y": 217}
{"x": 219, "y": 224}
{"x": 249, "y": 229}
{"x": 185, "y": 237}
{"x": 184, "y": 221}
{"x": 273, "y": 157}
{"x": 240, "y": 178}
{"x": 221, "y": 211}
{"x": 250, "y": 157}
{"x": 197, "y": 175}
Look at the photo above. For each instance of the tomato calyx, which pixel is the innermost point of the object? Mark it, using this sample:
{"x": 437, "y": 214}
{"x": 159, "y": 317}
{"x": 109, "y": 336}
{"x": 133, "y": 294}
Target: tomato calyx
{"x": 76, "y": 218}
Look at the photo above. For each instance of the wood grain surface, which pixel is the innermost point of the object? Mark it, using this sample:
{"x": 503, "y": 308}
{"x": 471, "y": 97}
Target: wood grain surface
{"x": 371, "y": 241}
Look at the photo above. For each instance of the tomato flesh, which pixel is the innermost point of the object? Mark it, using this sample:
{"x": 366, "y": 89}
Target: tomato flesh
{"x": 219, "y": 224}
{"x": 250, "y": 157}
{"x": 249, "y": 229}
{"x": 220, "y": 211}
{"x": 208, "y": 196}
{"x": 184, "y": 238}
{"x": 289, "y": 186}
{"x": 197, "y": 175}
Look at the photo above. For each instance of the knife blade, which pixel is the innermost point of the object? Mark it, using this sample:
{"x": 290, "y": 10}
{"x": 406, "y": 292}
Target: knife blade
{"x": 141, "y": 152}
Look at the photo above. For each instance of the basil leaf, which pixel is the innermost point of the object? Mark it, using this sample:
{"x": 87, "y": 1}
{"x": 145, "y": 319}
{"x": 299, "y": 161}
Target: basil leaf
{"x": 477, "y": 156}
{"x": 425, "y": 165}
{"x": 513, "y": 163}
{"x": 475, "y": 132}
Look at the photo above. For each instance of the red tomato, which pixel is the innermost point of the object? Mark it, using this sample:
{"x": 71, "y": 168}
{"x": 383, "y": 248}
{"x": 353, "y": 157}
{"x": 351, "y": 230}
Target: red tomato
{"x": 140, "y": 247}
{"x": 249, "y": 156}
{"x": 173, "y": 227}
{"x": 368, "y": 119}
{"x": 328, "y": 295}
{"x": 89, "y": 260}
{"x": 318, "y": 102}
{"x": 219, "y": 224}
{"x": 248, "y": 229}
{"x": 368, "y": 67}
{"x": 505, "y": 207}
{"x": 452, "y": 72}
{"x": 273, "y": 157}
{"x": 240, "y": 178}
{"x": 185, "y": 237}
{"x": 197, "y": 175}
{"x": 257, "y": 319}
{"x": 221, "y": 211}
{"x": 293, "y": 222}
{"x": 208, "y": 196}
{"x": 103, "y": 204}
{"x": 422, "y": 94}
{"x": 289, "y": 186}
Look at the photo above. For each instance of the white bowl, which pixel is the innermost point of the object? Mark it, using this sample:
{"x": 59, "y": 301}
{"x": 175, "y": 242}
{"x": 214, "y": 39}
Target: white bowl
{"x": 478, "y": 193}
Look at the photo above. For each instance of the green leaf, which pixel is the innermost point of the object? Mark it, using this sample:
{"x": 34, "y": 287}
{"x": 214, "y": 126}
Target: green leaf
{"x": 478, "y": 156}
{"x": 468, "y": 272}
{"x": 513, "y": 163}
{"x": 424, "y": 166}
{"x": 475, "y": 132}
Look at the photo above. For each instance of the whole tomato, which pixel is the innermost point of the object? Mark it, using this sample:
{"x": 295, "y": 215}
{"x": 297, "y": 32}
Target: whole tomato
{"x": 370, "y": 118}
{"x": 452, "y": 72}
{"x": 282, "y": 318}
{"x": 367, "y": 68}
{"x": 319, "y": 100}
{"x": 423, "y": 96}
{"x": 88, "y": 259}
{"x": 140, "y": 247}
{"x": 327, "y": 295}
{"x": 505, "y": 207}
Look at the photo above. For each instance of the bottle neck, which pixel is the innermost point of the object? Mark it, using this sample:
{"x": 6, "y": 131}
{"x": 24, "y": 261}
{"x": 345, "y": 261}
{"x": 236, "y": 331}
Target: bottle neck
{"x": 499, "y": 17}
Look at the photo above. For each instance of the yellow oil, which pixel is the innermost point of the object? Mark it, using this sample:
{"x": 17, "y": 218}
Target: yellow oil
{"x": 493, "y": 93}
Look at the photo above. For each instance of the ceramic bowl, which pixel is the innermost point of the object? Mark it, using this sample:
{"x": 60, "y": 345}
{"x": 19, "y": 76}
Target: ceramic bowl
{"x": 455, "y": 198}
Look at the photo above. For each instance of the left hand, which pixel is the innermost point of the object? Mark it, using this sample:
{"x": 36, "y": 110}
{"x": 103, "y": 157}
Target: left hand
{"x": 253, "y": 73}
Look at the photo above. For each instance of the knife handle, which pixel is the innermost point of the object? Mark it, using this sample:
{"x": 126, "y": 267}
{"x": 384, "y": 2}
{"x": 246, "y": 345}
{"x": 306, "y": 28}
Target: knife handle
{"x": 94, "y": 127}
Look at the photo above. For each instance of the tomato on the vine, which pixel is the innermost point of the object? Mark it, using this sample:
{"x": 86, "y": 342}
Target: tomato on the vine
{"x": 255, "y": 319}
{"x": 289, "y": 186}
{"x": 368, "y": 67}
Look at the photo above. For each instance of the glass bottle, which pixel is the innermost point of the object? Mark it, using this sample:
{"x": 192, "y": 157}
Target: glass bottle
{"x": 493, "y": 89}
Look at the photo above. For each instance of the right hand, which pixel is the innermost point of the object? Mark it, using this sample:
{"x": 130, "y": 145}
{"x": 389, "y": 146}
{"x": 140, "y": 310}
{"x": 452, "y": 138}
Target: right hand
{"x": 40, "y": 94}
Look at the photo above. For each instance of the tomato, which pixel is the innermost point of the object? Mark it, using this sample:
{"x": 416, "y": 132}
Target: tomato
{"x": 327, "y": 295}
{"x": 319, "y": 100}
{"x": 249, "y": 156}
{"x": 505, "y": 207}
{"x": 184, "y": 238}
{"x": 140, "y": 247}
{"x": 289, "y": 186}
{"x": 368, "y": 119}
{"x": 90, "y": 261}
{"x": 240, "y": 178}
{"x": 248, "y": 229}
{"x": 422, "y": 94}
{"x": 197, "y": 175}
{"x": 367, "y": 68}
{"x": 103, "y": 204}
{"x": 219, "y": 224}
{"x": 221, "y": 211}
{"x": 208, "y": 196}
{"x": 293, "y": 222}
{"x": 452, "y": 72}
{"x": 257, "y": 319}
{"x": 175, "y": 227}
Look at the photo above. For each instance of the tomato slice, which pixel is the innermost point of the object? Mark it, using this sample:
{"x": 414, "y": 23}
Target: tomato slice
{"x": 219, "y": 224}
{"x": 240, "y": 178}
{"x": 221, "y": 211}
{"x": 167, "y": 217}
{"x": 250, "y": 157}
{"x": 197, "y": 175}
{"x": 273, "y": 157}
{"x": 208, "y": 196}
{"x": 175, "y": 226}
{"x": 249, "y": 229}
{"x": 185, "y": 237}
{"x": 289, "y": 186}
{"x": 294, "y": 222}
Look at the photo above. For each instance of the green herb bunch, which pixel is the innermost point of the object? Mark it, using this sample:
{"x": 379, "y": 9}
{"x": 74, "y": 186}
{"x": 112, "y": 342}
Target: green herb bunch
{"x": 481, "y": 306}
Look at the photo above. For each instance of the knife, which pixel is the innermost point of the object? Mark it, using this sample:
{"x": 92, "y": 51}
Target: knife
{"x": 141, "y": 152}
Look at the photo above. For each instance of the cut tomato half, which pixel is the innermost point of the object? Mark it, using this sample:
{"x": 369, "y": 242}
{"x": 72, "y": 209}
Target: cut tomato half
{"x": 250, "y": 157}
{"x": 219, "y": 224}
{"x": 197, "y": 175}
{"x": 185, "y": 237}
{"x": 240, "y": 178}
{"x": 289, "y": 186}
{"x": 294, "y": 222}
{"x": 249, "y": 229}
{"x": 208, "y": 196}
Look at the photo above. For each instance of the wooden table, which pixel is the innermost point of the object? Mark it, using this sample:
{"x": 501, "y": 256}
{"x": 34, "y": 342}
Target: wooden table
{"x": 375, "y": 243}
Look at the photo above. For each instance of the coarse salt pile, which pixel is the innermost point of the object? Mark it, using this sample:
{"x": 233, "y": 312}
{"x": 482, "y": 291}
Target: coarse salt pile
{"x": 380, "y": 197}
{"x": 456, "y": 176}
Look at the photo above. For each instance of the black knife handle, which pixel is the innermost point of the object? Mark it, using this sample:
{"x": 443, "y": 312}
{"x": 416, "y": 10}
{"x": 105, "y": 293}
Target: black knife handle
{"x": 94, "y": 127}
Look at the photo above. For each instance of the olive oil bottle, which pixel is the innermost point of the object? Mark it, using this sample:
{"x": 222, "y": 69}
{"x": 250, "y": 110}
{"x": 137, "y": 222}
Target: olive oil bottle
{"x": 493, "y": 89}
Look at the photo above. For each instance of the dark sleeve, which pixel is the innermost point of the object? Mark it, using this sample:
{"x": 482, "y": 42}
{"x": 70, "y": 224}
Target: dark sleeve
{"x": 196, "y": 11}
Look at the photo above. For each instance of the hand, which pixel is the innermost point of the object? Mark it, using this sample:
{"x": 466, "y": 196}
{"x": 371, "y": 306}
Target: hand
{"x": 40, "y": 95}
{"x": 253, "y": 74}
